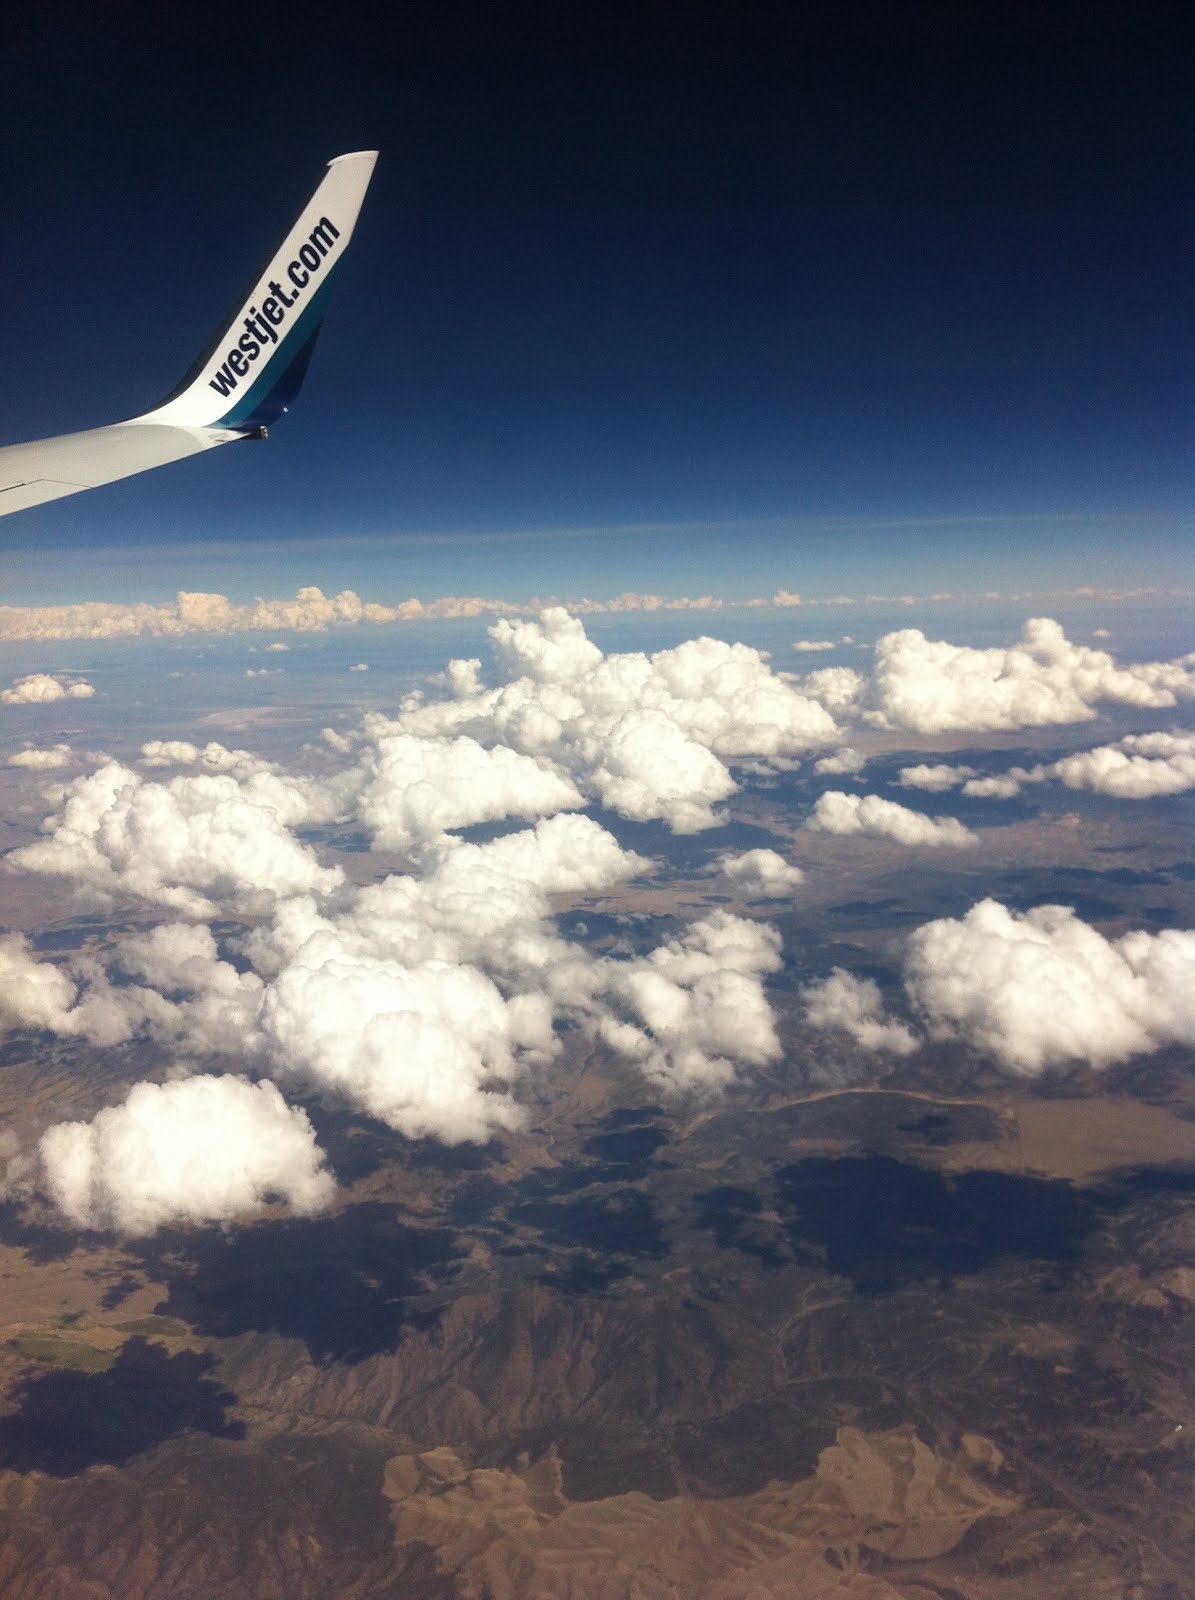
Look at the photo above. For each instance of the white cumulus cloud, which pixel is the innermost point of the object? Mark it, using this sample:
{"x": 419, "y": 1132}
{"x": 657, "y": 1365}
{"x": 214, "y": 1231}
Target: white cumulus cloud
{"x": 186, "y": 843}
{"x": 47, "y": 760}
{"x": 648, "y": 736}
{"x": 937, "y": 777}
{"x": 1135, "y": 768}
{"x": 760, "y": 874}
{"x": 1042, "y": 988}
{"x": 845, "y": 763}
{"x": 929, "y": 686}
{"x": 418, "y": 788}
{"x": 695, "y": 1008}
{"x": 855, "y": 1005}
{"x": 838, "y": 812}
{"x": 39, "y": 688}
{"x": 1005, "y": 786}
{"x": 200, "y": 1149}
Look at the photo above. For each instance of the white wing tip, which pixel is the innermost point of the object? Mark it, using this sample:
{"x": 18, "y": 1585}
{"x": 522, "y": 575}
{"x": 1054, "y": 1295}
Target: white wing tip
{"x": 355, "y": 155}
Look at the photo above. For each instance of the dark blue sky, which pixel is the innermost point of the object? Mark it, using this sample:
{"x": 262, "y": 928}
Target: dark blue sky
{"x": 901, "y": 261}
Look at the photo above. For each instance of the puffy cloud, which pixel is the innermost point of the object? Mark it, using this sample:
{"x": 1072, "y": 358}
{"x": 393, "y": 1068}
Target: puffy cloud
{"x": 837, "y": 812}
{"x": 810, "y": 646}
{"x": 420, "y": 787}
{"x": 1136, "y": 768}
{"x": 56, "y": 756}
{"x": 180, "y": 842}
{"x": 836, "y": 688}
{"x": 169, "y": 753}
{"x": 359, "y": 666}
{"x": 81, "y": 1002}
{"x": 854, "y": 1005}
{"x": 760, "y": 874}
{"x": 1042, "y": 988}
{"x": 846, "y": 763}
{"x": 200, "y": 1149}
{"x": 935, "y": 687}
{"x": 1004, "y": 787}
{"x": 936, "y": 777}
{"x": 649, "y": 736}
{"x": 32, "y": 994}
{"x": 695, "y": 1008}
{"x": 427, "y": 1048}
{"x": 39, "y": 688}
{"x": 650, "y": 767}
{"x": 263, "y": 672}
{"x": 427, "y": 1000}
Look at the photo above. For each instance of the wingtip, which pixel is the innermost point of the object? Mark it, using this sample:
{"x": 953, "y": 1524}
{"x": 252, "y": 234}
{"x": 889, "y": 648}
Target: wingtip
{"x": 355, "y": 155}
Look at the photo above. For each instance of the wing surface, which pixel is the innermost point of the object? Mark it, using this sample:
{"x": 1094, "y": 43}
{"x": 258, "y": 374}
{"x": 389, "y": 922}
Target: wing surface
{"x": 244, "y": 380}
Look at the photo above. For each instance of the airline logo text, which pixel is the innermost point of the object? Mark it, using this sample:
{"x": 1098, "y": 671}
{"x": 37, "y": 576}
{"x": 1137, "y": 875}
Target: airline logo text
{"x": 261, "y": 326}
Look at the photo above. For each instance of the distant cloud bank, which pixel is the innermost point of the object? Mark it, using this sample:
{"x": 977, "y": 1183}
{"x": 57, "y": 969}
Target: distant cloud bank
{"x": 311, "y": 611}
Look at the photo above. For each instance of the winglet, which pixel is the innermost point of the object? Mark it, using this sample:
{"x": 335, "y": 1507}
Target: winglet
{"x": 252, "y": 370}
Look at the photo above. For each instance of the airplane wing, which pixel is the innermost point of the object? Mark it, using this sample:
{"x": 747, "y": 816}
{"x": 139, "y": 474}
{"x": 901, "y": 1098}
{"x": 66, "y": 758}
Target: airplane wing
{"x": 243, "y": 381}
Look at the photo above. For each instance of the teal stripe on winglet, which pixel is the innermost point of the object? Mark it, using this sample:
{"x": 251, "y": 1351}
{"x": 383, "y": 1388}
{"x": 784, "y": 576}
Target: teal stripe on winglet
{"x": 272, "y": 393}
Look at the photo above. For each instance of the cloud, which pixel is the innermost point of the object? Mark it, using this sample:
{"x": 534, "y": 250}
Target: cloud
{"x": 39, "y": 688}
{"x": 429, "y": 998}
{"x": 937, "y": 778}
{"x": 695, "y": 1008}
{"x": 854, "y": 1005}
{"x": 837, "y": 812}
{"x": 836, "y": 688}
{"x": 32, "y": 994}
{"x": 1136, "y": 768}
{"x": 1140, "y": 766}
{"x": 419, "y": 787}
{"x": 17, "y": 1167}
{"x": 934, "y": 687}
{"x": 179, "y": 842}
{"x": 429, "y": 1048}
{"x": 648, "y": 736}
{"x": 214, "y": 1009}
{"x": 808, "y": 646}
{"x": 196, "y": 1150}
{"x": 1042, "y": 988}
{"x": 359, "y": 666}
{"x": 1004, "y": 787}
{"x": 846, "y": 763}
{"x": 56, "y": 756}
{"x": 760, "y": 874}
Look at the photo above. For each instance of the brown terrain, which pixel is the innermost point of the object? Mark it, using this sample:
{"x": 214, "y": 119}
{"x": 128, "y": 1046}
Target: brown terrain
{"x": 872, "y": 1342}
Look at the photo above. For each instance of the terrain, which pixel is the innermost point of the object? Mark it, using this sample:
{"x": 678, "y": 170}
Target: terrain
{"x": 873, "y": 1341}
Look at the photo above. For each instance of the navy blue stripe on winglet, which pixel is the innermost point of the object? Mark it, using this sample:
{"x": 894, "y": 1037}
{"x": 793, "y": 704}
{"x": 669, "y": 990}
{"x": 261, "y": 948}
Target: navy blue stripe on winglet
{"x": 274, "y": 391}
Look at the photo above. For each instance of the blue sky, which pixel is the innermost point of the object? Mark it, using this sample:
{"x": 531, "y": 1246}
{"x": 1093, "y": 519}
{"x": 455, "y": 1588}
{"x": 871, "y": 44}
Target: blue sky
{"x": 863, "y": 299}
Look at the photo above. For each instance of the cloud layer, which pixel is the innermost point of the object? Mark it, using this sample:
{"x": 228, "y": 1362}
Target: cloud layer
{"x": 428, "y": 999}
